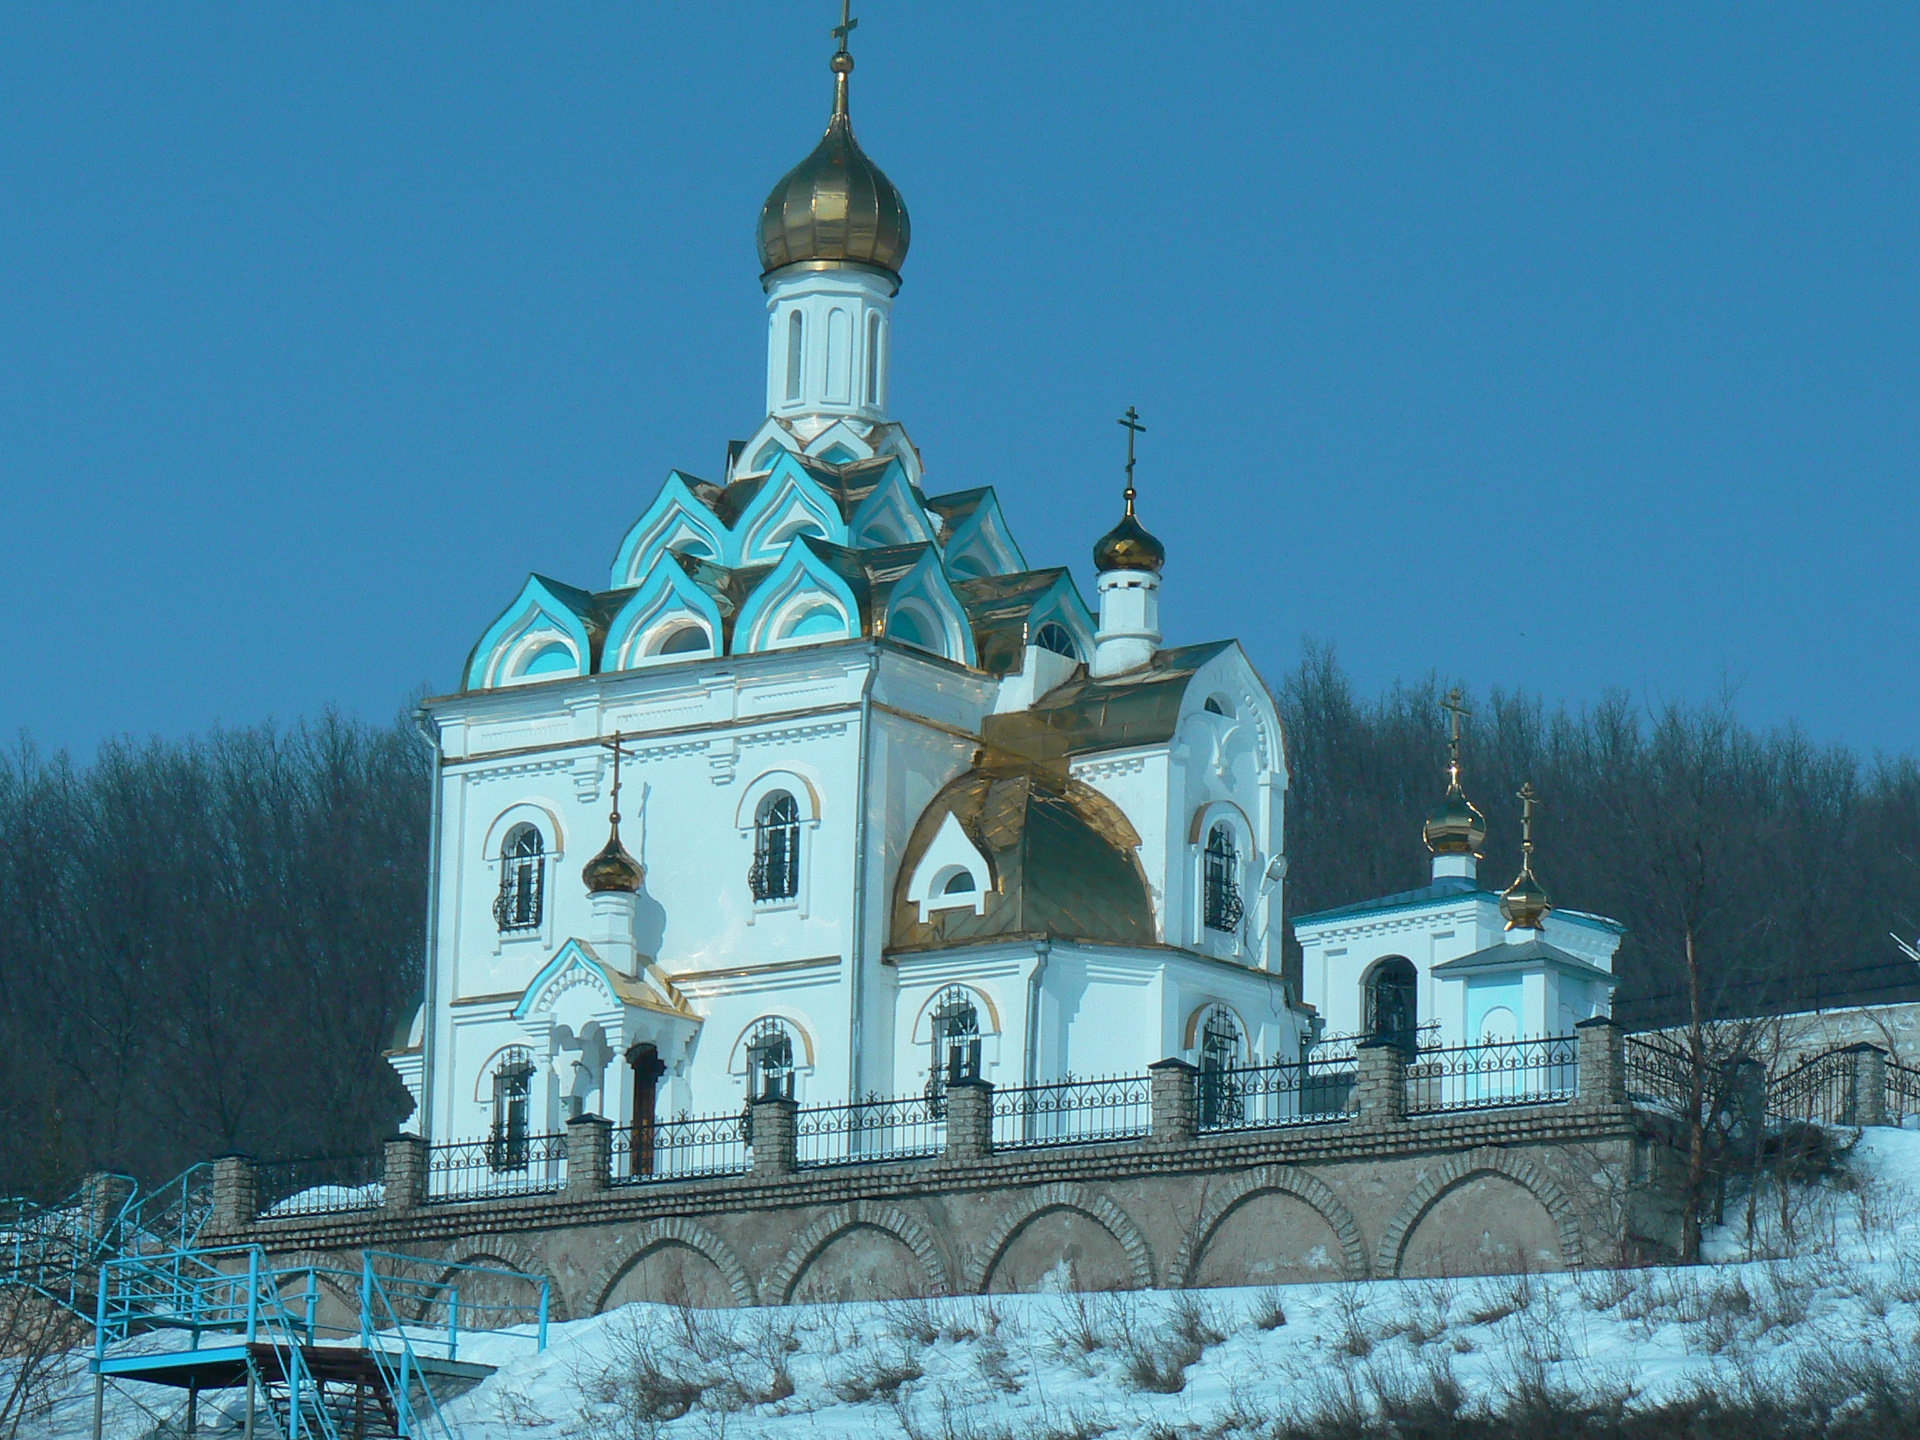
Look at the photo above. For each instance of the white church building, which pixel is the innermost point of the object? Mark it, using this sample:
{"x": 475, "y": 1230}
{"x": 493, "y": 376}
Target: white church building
{"x": 892, "y": 804}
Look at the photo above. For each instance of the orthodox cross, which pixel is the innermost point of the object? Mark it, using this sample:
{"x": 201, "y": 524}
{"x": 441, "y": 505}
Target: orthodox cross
{"x": 615, "y": 817}
{"x": 1131, "y": 421}
{"x": 1528, "y": 798}
{"x": 846, "y": 26}
{"x": 1456, "y": 712}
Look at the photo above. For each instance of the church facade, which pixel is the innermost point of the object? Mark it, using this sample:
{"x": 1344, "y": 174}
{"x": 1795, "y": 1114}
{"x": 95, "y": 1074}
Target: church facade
{"x": 826, "y": 791}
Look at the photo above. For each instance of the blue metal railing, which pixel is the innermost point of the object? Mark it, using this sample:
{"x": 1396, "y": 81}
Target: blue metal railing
{"x": 406, "y": 1305}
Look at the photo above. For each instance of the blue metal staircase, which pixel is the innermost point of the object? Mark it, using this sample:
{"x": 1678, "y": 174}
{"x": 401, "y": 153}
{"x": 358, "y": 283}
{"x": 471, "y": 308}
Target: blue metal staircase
{"x": 57, "y": 1250}
{"x": 377, "y": 1372}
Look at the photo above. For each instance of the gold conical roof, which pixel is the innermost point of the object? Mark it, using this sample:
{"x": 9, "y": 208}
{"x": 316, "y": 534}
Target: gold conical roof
{"x": 835, "y": 207}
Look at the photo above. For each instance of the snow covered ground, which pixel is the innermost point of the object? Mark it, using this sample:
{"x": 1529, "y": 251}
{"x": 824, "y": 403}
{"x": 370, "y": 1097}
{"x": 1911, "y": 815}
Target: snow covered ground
{"x": 1210, "y": 1363}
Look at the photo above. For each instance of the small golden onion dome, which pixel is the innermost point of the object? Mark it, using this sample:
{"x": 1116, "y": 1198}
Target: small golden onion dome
{"x": 835, "y": 207}
{"x": 1455, "y": 827}
{"x": 613, "y": 869}
{"x": 1525, "y": 902}
{"x": 1128, "y": 546}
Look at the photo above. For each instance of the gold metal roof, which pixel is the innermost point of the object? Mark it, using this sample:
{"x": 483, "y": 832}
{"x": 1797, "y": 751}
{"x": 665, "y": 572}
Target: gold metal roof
{"x": 1064, "y": 862}
{"x": 835, "y": 207}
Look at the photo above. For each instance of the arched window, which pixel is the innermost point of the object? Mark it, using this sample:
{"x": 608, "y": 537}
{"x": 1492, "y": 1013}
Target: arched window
{"x": 794, "y": 324}
{"x": 1056, "y": 637}
{"x": 873, "y": 358}
{"x": 1220, "y": 1102}
{"x": 1222, "y": 906}
{"x": 684, "y": 640}
{"x": 1391, "y": 1011}
{"x": 956, "y": 1041}
{"x": 508, "y": 1141}
{"x": 769, "y": 1062}
{"x": 776, "y": 848}
{"x": 523, "y": 870}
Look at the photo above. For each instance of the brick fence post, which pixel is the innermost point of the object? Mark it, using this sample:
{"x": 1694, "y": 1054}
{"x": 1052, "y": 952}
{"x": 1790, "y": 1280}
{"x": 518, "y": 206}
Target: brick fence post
{"x": 404, "y": 1174}
{"x": 1175, "y": 1107}
{"x": 1601, "y": 1060}
{"x": 1869, "y": 1084}
{"x": 104, "y": 1195}
{"x": 236, "y": 1193}
{"x": 770, "y": 1131}
{"x": 1382, "y": 1088}
{"x": 589, "y": 1155}
{"x": 969, "y": 1121}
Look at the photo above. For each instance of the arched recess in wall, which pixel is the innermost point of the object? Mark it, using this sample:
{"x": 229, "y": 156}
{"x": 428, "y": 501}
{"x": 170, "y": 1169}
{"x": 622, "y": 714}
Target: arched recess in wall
{"x": 1461, "y": 1170}
{"x": 654, "y": 1238}
{"x": 1066, "y": 1199}
{"x": 886, "y": 1219}
{"x": 1235, "y": 1199}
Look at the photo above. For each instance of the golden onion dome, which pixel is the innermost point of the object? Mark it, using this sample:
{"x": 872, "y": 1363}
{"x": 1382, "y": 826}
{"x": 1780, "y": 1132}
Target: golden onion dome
{"x": 1455, "y": 827}
{"x": 835, "y": 207}
{"x": 1525, "y": 903}
{"x": 613, "y": 869}
{"x": 1128, "y": 546}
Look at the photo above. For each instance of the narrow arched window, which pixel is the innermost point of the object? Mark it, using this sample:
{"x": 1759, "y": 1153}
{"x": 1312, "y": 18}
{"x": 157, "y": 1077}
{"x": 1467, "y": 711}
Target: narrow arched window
{"x": 776, "y": 848}
{"x": 1391, "y": 1009}
{"x": 1056, "y": 637}
{"x": 508, "y": 1141}
{"x": 523, "y": 866}
{"x": 873, "y": 358}
{"x": 956, "y": 1041}
{"x": 1220, "y": 1102}
{"x": 795, "y": 327}
{"x": 1222, "y": 906}
{"x": 769, "y": 1062}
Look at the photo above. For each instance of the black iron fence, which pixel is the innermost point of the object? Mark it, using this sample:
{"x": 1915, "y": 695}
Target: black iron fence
{"x": 318, "y": 1184}
{"x": 1903, "y": 1091}
{"x": 1658, "y": 1075}
{"x": 1072, "y": 1112}
{"x": 1283, "y": 1093}
{"x": 1499, "y": 1072}
{"x": 681, "y": 1148}
{"x": 1819, "y": 1091}
{"x": 871, "y": 1129}
{"x": 480, "y": 1169}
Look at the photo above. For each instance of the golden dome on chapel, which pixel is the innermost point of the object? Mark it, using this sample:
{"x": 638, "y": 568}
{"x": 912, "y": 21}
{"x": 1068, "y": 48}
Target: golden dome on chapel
{"x": 1128, "y": 546}
{"x": 1455, "y": 827}
{"x": 613, "y": 869}
{"x": 836, "y": 207}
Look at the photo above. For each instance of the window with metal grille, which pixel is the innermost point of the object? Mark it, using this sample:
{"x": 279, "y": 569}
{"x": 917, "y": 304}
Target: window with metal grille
{"x": 1391, "y": 1010}
{"x": 1222, "y": 906}
{"x": 776, "y": 848}
{"x": 956, "y": 1041}
{"x": 523, "y": 868}
{"x": 1219, "y": 1052}
{"x": 769, "y": 1062}
{"x": 507, "y": 1147}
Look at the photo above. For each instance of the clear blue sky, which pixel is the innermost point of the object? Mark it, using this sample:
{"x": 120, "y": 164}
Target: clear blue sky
{"x": 1547, "y": 345}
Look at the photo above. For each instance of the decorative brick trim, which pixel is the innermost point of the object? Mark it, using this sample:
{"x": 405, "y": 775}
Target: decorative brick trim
{"x": 777, "y": 1288}
{"x": 1095, "y": 1206}
{"x": 651, "y": 1237}
{"x": 1310, "y": 1190}
{"x": 1452, "y": 1174}
{"x": 492, "y": 1245}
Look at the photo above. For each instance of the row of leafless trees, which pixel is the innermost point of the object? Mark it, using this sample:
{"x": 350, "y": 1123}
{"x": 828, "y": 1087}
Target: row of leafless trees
{"x": 1755, "y": 873}
{"x": 205, "y": 946}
